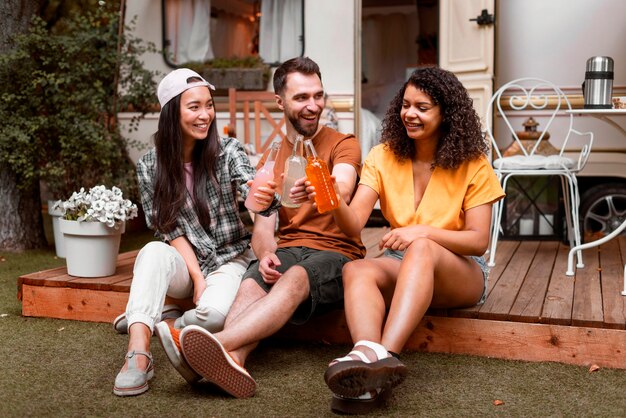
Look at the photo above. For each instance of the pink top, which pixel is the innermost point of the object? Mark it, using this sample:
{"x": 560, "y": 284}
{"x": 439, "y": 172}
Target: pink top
{"x": 188, "y": 177}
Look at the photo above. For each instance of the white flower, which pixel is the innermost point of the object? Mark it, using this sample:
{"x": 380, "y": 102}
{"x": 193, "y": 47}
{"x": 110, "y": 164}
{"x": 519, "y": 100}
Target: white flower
{"x": 99, "y": 204}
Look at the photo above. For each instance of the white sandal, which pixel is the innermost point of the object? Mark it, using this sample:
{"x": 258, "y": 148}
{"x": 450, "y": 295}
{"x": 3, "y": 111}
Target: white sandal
{"x": 352, "y": 378}
{"x": 378, "y": 349}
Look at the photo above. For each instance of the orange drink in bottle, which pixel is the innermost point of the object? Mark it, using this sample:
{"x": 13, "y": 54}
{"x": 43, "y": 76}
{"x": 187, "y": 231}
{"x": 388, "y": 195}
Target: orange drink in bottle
{"x": 319, "y": 176}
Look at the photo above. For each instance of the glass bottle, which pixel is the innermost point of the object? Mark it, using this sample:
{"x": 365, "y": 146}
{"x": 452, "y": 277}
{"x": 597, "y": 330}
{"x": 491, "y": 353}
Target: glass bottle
{"x": 319, "y": 176}
{"x": 263, "y": 175}
{"x": 294, "y": 170}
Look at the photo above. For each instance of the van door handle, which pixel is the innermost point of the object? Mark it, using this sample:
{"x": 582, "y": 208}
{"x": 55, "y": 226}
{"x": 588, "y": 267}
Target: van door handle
{"x": 484, "y": 18}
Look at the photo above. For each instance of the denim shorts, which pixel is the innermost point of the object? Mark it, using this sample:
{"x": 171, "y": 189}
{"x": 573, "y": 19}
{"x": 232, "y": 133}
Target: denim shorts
{"x": 325, "y": 282}
{"x": 480, "y": 260}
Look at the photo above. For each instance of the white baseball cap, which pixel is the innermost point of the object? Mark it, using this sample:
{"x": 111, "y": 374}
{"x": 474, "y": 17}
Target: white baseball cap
{"x": 176, "y": 83}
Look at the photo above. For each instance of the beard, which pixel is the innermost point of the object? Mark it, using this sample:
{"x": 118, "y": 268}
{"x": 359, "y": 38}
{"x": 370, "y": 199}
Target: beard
{"x": 306, "y": 131}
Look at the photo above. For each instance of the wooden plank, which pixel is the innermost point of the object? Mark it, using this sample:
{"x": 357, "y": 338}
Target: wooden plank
{"x": 557, "y": 307}
{"x": 123, "y": 286}
{"x": 504, "y": 293}
{"x": 75, "y": 304}
{"x": 62, "y": 279}
{"x": 124, "y": 271}
{"x": 529, "y": 302}
{"x": 587, "y": 305}
{"x": 611, "y": 279}
{"x": 42, "y": 274}
{"x": 59, "y": 277}
{"x": 500, "y": 339}
{"x": 80, "y": 304}
{"x": 506, "y": 250}
{"x": 521, "y": 341}
{"x": 504, "y": 253}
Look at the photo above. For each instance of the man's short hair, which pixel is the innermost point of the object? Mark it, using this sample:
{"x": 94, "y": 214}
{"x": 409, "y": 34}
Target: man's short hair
{"x": 304, "y": 65}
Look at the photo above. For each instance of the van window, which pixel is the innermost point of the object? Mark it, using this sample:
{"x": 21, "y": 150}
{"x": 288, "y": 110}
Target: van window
{"x": 201, "y": 30}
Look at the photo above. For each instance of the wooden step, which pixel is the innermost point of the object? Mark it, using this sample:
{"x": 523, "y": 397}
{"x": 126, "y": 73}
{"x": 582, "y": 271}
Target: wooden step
{"x": 533, "y": 310}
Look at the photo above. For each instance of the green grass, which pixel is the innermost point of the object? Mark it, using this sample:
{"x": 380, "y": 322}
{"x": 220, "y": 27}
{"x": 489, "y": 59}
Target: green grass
{"x": 63, "y": 368}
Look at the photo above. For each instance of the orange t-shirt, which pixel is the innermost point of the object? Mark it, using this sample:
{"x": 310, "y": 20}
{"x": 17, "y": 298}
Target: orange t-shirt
{"x": 304, "y": 226}
{"x": 449, "y": 193}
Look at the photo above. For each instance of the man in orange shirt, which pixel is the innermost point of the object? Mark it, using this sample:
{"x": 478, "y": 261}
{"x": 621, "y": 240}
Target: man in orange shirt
{"x": 301, "y": 274}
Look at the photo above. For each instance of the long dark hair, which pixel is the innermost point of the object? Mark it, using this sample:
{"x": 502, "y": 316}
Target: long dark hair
{"x": 461, "y": 137}
{"x": 169, "y": 188}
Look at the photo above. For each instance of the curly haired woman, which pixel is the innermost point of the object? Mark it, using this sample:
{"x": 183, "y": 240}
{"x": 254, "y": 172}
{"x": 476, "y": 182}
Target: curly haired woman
{"x": 436, "y": 188}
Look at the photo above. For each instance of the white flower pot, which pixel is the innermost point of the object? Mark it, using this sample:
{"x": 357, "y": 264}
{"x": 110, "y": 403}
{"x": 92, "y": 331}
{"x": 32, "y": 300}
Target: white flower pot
{"x": 59, "y": 242}
{"x": 91, "y": 248}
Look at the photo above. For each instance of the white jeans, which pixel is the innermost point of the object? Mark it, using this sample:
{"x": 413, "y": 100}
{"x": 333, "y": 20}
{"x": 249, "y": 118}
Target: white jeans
{"x": 160, "y": 270}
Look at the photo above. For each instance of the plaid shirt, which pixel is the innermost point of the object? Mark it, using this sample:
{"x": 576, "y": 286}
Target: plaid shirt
{"x": 226, "y": 237}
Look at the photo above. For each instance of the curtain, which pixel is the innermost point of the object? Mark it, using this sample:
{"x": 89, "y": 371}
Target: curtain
{"x": 195, "y": 36}
{"x": 188, "y": 23}
{"x": 280, "y": 29}
{"x": 231, "y": 35}
{"x": 388, "y": 48}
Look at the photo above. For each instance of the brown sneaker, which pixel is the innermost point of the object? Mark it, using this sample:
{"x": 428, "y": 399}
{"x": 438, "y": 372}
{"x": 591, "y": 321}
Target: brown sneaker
{"x": 206, "y": 355}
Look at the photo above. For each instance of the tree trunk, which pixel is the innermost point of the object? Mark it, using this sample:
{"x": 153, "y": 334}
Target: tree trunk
{"x": 16, "y": 15}
{"x": 21, "y": 223}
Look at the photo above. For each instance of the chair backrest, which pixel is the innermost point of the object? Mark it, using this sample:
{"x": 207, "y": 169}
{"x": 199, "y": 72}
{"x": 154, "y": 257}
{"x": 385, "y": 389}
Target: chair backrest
{"x": 256, "y": 102}
{"x": 528, "y": 94}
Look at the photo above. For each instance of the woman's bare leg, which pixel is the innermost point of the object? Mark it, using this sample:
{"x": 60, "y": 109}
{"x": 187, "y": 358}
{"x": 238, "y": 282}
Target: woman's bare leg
{"x": 371, "y": 280}
{"x": 430, "y": 275}
{"x": 138, "y": 340}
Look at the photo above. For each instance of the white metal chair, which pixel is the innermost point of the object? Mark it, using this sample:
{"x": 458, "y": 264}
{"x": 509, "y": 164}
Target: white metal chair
{"x": 545, "y": 101}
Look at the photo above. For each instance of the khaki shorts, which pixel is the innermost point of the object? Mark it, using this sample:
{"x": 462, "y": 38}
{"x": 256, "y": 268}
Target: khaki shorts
{"x": 325, "y": 281}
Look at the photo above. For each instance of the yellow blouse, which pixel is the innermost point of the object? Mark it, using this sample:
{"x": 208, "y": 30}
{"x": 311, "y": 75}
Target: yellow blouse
{"x": 449, "y": 193}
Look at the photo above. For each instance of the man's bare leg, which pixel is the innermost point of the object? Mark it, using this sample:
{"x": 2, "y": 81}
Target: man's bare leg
{"x": 264, "y": 314}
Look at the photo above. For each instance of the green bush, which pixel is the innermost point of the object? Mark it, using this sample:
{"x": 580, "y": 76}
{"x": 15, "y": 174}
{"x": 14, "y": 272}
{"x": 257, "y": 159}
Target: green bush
{"x": 252, "y": 61}
{"x": 60, "y": 95}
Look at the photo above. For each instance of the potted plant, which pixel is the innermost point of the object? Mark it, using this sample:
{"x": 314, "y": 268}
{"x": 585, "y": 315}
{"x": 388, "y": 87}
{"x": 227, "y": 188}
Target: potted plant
{"x": 242, "y": 73}
{"x": 92, "y": 223}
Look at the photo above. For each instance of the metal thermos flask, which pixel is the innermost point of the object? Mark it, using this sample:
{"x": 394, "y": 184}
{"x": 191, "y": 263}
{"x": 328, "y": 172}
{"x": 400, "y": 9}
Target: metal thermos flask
{"x": 598, "y": 85}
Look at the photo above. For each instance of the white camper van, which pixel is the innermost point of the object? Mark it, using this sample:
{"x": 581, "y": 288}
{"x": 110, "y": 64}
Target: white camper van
{"x": 366, "y": 48}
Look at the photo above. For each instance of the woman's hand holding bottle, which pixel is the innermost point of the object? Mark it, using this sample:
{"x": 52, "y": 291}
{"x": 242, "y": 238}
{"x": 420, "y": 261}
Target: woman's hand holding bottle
{"x": 263, "y": 196}
{"x": 262, "y": 188}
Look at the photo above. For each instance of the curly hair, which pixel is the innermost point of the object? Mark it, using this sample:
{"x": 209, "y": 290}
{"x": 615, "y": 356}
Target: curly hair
{"x": 461, "y": 137}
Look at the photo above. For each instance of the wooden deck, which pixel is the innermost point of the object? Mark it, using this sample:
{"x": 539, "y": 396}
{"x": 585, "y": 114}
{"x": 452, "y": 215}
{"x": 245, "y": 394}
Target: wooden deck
{"x": 533, "y": 310}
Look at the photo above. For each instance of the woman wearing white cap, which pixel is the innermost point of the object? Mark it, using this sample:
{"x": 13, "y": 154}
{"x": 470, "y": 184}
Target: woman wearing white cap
{"x": 188, "y": 184}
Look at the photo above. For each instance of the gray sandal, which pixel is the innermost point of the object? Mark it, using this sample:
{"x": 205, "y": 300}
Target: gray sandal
{"x": 134, "y": 381}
